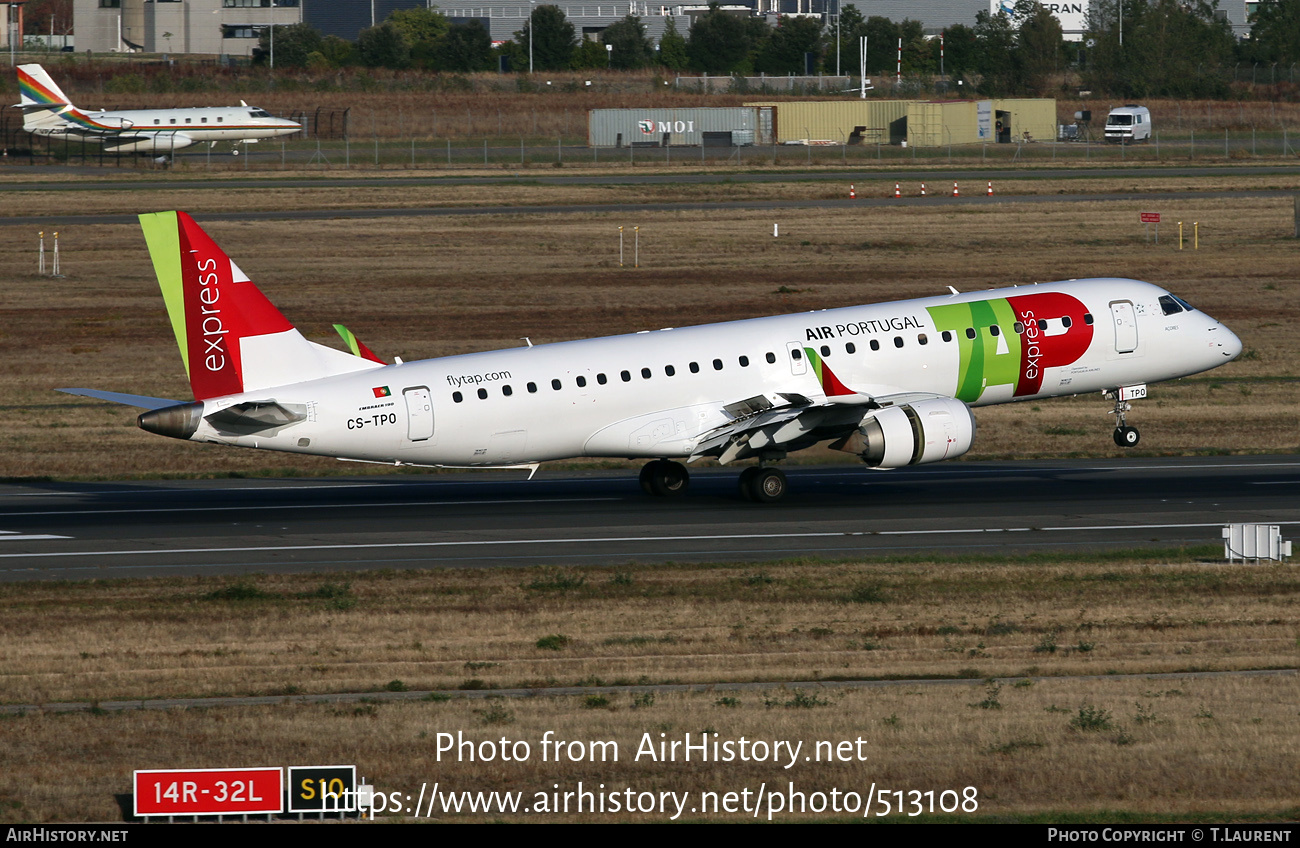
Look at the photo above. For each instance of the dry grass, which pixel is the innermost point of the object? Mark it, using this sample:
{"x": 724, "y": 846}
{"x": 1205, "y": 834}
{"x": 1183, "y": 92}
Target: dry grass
{"x": 1212, "y": 747}
{"x": 526, "y": 193}
{"x": 686, "y": 624}
{"x": 420, "y": 287}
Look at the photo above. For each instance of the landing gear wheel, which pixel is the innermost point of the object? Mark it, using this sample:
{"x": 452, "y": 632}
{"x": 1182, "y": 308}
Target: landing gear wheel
{"x": 648, "y": 471}
{"x": 1127, "y": 437}
{"x": 768, "y": 485}
{"x": 665, "y": 478}
{"x": 747, "y": 482}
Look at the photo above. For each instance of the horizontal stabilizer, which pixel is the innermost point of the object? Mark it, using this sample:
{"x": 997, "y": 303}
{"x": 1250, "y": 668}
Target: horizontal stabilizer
{"x": 142, "y": 401}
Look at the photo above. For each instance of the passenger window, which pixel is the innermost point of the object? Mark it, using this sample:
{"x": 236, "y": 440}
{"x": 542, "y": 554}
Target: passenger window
{"x": 875, "y": 345}
{"x": 555, "y": 384}
{"x": 601, "y": 378}
{"x": 582, "y": 382}
{"x": 695, "y": 367}
{"x": 482, "y": 394}
{"x": 507, "y": 391}
{"x": 1087, "y": 318}
{"x": 826, "y": 351}
{"x": 626, "y": 376}
{"x": 850, "y": 348}
{"x": 1066, "y": 322}
{"x": 532, "y": 388}
{"x": 771, "y": 358}
{"x": 645, "y": 373}
{"x": 1018, "y": 328}
{"x": 156, "y": 121}
{"x": 995, "y": 331}
{"x": 796, "y": 354}
{"x": 1042, "y": 324}
{"x": 898, "y": 341}
{"x": 921, "y": 339}
{"x": 744, "y": 362}
{"x": 717, "y": 365}
{"x": 457, "y": 397}
{"x": 970, "y": 332}
{"x": 670, "y": 370}
{"x": 947, "y": 335}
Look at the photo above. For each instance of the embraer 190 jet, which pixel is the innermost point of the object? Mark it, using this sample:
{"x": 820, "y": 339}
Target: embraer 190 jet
{"x": 48, "y": 112}
{"x": 890, "y": 383}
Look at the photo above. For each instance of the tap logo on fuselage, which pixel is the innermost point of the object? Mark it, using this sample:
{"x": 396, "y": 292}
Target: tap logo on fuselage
{"x": 1055, "y": 331}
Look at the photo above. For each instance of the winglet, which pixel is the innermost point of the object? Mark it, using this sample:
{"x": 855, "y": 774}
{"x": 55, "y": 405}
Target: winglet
{"x": 831, "y": 385}
{"x": 355, "y": 344}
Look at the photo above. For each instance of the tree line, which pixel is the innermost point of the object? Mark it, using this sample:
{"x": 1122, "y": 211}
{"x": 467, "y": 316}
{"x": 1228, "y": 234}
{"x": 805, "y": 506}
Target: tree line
{"x": 1136, "y": 48}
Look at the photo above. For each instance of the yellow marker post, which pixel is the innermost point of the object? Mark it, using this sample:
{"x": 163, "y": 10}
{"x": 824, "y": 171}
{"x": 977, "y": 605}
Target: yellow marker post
{"x": 40, "y": 262}
{"x": 1180, "y": 235}
{"x": 620, "y": 247}
{"x": 636, "y": 247}
{"x": 1196, "y": 235}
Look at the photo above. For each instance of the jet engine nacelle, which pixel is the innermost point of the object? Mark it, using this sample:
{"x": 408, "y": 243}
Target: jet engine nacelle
{"x": 156, "y": 144}
{"x": 912, "y": 434}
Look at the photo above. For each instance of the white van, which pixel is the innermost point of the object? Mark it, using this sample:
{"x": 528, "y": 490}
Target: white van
{"x": 1127, "y": 124}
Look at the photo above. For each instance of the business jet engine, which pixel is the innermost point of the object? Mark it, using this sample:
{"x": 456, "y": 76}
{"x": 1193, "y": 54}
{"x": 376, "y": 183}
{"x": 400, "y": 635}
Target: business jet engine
{"x": 912, "y": 433}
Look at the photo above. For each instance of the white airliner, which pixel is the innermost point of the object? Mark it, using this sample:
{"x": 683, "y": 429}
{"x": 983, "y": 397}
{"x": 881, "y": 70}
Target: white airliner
{"x": 892, "y": 383}
{"x": 48, "y": 112}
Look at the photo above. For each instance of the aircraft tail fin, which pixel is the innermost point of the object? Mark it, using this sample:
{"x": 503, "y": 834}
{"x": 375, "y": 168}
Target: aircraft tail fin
{"x": 43, "y": 102}
{"x": 232, "y": 339}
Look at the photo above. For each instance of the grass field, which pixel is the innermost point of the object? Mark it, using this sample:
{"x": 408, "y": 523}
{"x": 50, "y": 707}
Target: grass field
{"x": 1048, "y": 743}
{"x": 420, "y": 287}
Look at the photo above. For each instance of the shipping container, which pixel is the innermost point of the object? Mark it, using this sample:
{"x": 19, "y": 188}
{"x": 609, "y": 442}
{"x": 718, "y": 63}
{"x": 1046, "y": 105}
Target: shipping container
{"x": 671, "y": 127}
{"x": 934, "y": 123}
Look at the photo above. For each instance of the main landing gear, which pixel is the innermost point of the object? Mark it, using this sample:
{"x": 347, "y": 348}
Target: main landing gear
{"x": 762, "y": 484}
{"x": 665, "y": 478}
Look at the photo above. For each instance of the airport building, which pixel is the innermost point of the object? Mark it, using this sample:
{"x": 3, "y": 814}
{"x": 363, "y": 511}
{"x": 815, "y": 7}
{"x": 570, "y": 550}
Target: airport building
{"x": 916, "y": 123}
{"x": 218, "y": 27}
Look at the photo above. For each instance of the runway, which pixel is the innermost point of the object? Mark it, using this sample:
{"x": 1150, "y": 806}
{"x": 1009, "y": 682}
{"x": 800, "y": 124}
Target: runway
{"x": 494, "y": 519}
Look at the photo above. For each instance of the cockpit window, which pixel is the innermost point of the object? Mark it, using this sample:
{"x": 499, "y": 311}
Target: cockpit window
{"x": 259, "y": 113}
{"x": 1170, "y": 304}
{"x": 1184, "y": 304}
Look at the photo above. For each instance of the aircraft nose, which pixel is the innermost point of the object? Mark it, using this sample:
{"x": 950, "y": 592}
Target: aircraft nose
{"x": 1228, "y": 343}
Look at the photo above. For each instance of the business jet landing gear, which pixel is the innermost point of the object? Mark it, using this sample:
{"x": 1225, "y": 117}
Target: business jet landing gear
{"x": 762, "y": 485}
{"x": 1126, "y": 436}
{"x": 665, "y": 478}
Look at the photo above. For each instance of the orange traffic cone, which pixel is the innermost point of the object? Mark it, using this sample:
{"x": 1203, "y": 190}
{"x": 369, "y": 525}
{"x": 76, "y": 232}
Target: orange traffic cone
{"x": 923, "y": 189}
{"x": 955, "y": 192}
{"x": 852, "y": 194}
{"x": 990, "y": 189}
{"x": 897, "y": 191}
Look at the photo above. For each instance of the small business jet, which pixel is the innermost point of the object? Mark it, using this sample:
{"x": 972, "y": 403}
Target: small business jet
{"x": 891, "y": 383}
{"x": 48, "y": 112}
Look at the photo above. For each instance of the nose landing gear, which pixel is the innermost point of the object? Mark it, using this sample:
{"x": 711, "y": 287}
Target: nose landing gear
{"x": 1125, "y": 436}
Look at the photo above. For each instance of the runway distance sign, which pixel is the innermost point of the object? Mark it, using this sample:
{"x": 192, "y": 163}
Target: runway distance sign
{"x": 1150, "y": 217}
{"x": 322, "y": 789}
{"x": 207, "y": 792}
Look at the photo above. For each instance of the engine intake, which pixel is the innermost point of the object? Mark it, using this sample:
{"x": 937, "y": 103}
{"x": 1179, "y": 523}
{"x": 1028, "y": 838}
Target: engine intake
{"x": 912, "y": 434}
